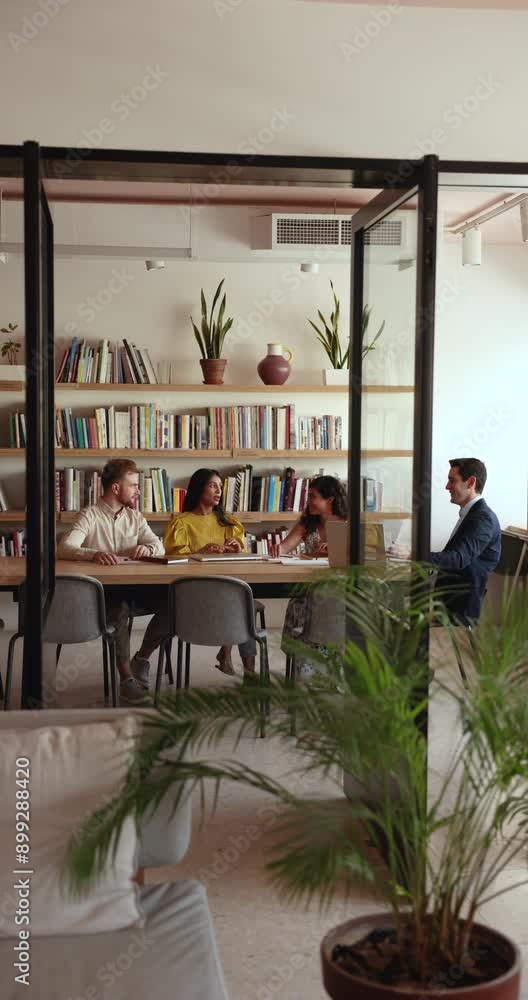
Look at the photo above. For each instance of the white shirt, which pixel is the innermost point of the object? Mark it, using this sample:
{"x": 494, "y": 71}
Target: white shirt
{"x": 463, "y": 513}
{"x": 101, "y": 529}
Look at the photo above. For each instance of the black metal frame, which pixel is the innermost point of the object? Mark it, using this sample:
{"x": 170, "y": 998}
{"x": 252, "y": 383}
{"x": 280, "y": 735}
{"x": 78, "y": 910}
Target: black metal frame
{"x": 40, "y": 461}
{"x": 423, "y": 183}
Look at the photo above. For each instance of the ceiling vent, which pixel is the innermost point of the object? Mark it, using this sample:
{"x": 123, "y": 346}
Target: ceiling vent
{"x": 285, "y": 231}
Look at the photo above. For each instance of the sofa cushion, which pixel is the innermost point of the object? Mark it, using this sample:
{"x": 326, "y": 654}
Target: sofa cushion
{"x": 51, "y": 779}
{"x": 173, "y": 955}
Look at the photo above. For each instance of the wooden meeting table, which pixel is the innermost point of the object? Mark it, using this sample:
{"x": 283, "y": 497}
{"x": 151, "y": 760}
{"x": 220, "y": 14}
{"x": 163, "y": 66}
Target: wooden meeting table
{"x": 266, "y": 579}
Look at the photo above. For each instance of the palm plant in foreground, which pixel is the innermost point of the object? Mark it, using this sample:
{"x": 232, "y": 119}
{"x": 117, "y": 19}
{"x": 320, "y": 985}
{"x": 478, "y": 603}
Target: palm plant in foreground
{"x": 363, "y": 714}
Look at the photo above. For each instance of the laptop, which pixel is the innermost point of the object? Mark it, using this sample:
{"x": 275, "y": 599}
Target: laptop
{"x": 372, "y": 541}
{"x": 228, "y": 557}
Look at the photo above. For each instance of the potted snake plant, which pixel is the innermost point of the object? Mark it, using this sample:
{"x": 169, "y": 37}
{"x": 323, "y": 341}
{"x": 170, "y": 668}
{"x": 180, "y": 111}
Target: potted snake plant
{"x": 210, "y": 337}
{"x": 443, "y": 847}
{"x": 11, "y": 372}
{"x": 328, "y": 335}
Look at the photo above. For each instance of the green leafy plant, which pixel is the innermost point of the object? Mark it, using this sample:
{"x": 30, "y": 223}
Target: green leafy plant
{"x": 11, "y": 347}
{"x": 443, "y": 847}
{"x": 210, "y": 337}
{"x": 328, "y": 334}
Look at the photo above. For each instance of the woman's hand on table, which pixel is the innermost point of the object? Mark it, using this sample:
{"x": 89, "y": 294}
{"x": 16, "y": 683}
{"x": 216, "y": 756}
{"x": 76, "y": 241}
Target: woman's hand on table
{"x": 322, "y": 550}
{"x": 212, "y": 547}
{"x": 232, "y": 545}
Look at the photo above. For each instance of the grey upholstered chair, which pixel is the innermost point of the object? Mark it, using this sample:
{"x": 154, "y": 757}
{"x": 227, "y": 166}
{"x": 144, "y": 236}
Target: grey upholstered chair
{"x": 324, "y": 625}
{"x": 211, "y": 611}
{"x": 77, "y": 614}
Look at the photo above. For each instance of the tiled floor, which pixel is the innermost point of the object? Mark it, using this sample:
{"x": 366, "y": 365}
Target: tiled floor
{"x": 269, "y": 948}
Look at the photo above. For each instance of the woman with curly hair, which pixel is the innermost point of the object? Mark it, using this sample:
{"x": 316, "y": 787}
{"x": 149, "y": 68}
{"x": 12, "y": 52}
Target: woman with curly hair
{"x": 327, "y": 501}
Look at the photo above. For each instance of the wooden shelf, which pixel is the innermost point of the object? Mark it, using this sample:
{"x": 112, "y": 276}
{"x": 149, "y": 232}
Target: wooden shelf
{"x": 247, "y": 517}
{"x": 193, "y": 387}
{"x": 233, "y": 453}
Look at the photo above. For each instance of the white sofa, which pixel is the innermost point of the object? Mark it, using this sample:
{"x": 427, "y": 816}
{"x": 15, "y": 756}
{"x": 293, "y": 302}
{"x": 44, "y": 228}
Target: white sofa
{"x": 173, "y": 955}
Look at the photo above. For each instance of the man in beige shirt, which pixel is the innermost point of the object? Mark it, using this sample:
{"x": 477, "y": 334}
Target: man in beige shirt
{"x": 103, "y": 532}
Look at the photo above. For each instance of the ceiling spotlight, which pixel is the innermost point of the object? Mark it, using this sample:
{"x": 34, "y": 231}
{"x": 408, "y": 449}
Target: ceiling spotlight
{"x": 154, "y": 265}
{"x": 472, "y": 247}
{"x": 523, "y": 208}
{"x": 310, "y": 266}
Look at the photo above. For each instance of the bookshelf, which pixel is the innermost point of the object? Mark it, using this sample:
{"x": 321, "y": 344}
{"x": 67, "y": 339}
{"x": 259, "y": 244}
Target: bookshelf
{"x": 187, "y": 459}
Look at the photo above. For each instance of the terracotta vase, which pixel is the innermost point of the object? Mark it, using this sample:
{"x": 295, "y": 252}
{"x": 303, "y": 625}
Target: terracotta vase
{"x": 213, "y": 370}
{"x": 342, "y": 985}
{"x": 275, "y": 368}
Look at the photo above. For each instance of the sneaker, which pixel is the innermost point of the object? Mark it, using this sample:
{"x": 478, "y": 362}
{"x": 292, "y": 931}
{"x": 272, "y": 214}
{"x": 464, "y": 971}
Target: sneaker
{"x": 140, "y": 667}
{"x": 131, "y": 692}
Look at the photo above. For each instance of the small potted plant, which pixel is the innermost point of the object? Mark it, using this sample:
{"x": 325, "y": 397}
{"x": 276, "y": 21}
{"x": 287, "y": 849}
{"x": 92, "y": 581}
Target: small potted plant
{"x": 211, "y": 336}
{"x": 444, "y": 847}
{"x": 328, "y": 336}
{"x": 11, "y": 372}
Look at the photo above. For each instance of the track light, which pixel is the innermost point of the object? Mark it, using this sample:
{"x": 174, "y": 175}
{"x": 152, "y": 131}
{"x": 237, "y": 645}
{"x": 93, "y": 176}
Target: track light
{"x": 472, "y": 247}
{"x": 523, "y": 208}
{"x": 154, "y": 265}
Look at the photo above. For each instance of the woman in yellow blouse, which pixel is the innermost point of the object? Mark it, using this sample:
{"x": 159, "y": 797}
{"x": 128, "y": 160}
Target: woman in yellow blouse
{"x": 203, "y": 527}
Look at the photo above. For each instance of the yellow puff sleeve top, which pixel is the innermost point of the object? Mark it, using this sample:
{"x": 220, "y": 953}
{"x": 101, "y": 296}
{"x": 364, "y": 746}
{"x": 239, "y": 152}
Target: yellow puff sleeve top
{"x": 189, "y": 533}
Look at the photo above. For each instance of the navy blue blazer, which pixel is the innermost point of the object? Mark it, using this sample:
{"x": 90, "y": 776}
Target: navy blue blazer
{"x": 467, "y": 560}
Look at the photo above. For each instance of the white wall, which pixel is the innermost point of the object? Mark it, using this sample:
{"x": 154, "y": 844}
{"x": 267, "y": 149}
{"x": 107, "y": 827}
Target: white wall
{"x": 481, "y": 366}
{"x": 228, "y": 67}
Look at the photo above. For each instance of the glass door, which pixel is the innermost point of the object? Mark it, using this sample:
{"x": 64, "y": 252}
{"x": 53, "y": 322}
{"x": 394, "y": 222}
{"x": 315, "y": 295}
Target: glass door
{"x": 40, "y": 464}
{"x": 391, "y": 371}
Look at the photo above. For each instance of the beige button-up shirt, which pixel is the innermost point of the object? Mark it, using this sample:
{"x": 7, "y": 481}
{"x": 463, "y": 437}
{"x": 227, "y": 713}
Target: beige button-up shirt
{"x": 100, "y": 529}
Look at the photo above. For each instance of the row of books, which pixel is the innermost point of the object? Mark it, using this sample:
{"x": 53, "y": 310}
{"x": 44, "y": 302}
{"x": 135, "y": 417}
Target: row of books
{"x": 262, "y": 544}
{"x": 82, "y": 363}
{"x": 245, "y": 491}
{"x": 146, "y": 426}
{"x": 77, "y": 488}
{"x": 372, "y": 493}
{"x": 12, "y": 544}
{"x": 17, "y": 430}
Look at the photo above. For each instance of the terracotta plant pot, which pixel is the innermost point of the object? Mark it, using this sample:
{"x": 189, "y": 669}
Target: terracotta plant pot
{"x": 213, "y": 370}
{"x": 343, "y": 985}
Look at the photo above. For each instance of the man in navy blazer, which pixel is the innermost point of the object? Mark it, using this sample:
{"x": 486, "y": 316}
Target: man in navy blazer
{"x": 474, "y": 547}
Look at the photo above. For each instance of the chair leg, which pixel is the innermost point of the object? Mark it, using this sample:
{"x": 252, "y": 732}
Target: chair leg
{"x": 106, "y": 686}
{"x": 291, "y": 666}
{"x": 179, "y": 664}
{"x": 9, "y": 670}
{"x": 264, "y": 706}
{"x": 159, "y": 671}
{"x": 187, "y": 663}
{"x": 113, "y": 681}
{"x": 58, "y": 653}
{"x": 261, "y": 612}
{"x": 168, "y": 662}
